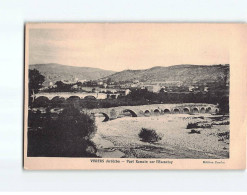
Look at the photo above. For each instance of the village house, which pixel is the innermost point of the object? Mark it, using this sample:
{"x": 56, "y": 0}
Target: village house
{"x": 135, "y": 81}
{"x": 100, "y": 83}
{"x": 206, "y": 89}
{"x": 104, "y": 85}
{"x": 51, "y": 85}
{"x": 153, "y": 88}
{"x": 82, "y": 81}
{"x": 107, "y": 90}
{"x": 191, "y": 88}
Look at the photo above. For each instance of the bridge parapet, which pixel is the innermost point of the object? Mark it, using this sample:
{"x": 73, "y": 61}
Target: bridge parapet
{"x": 67, "y": 95}
{"x": 155, "y": 109}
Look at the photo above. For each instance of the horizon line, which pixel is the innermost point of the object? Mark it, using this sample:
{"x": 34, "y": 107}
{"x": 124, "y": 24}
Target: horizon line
{"x": 225, "y": 64}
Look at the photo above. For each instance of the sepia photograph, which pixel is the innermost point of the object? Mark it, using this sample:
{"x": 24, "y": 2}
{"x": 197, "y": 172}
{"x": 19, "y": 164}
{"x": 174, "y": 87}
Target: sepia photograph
{"x": 129, "y": 91}
{"x": 114, "y": 96}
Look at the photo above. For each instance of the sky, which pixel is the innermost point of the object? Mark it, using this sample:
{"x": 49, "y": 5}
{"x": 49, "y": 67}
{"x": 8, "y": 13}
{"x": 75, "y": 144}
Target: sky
{"x": 121, "y": 46}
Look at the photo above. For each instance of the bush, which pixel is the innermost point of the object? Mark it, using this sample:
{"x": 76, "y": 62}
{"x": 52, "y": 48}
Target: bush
{"x": 58, "y": 102}
{"x": 192, "y": 125}
{"x": 149, "y": 135}
{"x": 41, "y": 101}
{"x": 224, "y": 105}
{"x": 222, "y": 123}
{"x": 224, "y": 135}
{"x": 68, "y": 135}
{"x": 206, "y": 126}
{"x": 194, "y": 131}
{"x": 196, "y": 125}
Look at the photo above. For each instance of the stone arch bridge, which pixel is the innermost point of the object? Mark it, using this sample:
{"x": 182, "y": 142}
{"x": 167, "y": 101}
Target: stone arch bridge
{"x": 153, "y": 109}
{"x": 66, "y": 95}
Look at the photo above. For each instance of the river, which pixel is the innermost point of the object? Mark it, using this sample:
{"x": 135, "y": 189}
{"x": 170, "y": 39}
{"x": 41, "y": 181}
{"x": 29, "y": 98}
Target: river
{"x": 119, "y": 138}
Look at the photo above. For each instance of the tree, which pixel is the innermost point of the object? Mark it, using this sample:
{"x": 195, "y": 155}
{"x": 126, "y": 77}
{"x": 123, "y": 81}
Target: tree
{"x": 162, "y": 90}
{"x": 41, "y": 101}
{"x": 67, "y": 135}
{"x": 59, "y": 84}
{"x": 36, "y": 81}
{"x": 224, "y": 105}
{"x": 108, "y": 81}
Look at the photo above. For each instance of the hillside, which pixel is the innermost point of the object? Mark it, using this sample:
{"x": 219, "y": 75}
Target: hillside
{"x": 185, "y": 73}
{"x": 57, "y": 72}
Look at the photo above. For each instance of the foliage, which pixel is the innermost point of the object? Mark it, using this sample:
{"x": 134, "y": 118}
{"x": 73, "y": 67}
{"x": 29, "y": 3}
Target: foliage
{"x": 180, "y": 97}
{"x": 90, "y": 84}
{"x": 224, "y": 135}
{"x": 63, "y": 87}
{"x": 192, "y": 125}
{"x": 144, "y": 97}
{"x": 108, "y": 81}
{"x": 196, "y": 125}
{"x": 195, "y": 131}
{"x": 224, "y": 105}
{"x": 58, "y": 101}
{"x": 35, "y": 81}
{"x": 41, "y": 102}
{"x": 221, "y": 123}
{"x": 137, "y": 94}
{"x": 67, "y": 135}
{"x": 149, "y": 135}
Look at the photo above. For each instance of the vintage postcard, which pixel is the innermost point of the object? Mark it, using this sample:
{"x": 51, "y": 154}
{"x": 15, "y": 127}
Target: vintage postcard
{"x": 135, "y": 96}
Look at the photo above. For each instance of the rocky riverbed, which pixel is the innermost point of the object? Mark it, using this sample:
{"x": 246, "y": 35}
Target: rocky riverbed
{"x": 119, "y": 138}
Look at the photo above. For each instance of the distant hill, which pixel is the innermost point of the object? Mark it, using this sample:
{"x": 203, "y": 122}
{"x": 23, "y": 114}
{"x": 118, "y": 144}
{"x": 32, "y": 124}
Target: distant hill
{"x": 185, "y": 73}
{"x": 56, "y": 72}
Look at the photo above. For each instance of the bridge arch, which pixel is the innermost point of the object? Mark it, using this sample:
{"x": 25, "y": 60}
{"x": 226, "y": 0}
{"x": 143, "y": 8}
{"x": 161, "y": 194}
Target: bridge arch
{"x": 202, "y": 110}
{"x": 147, "y": 113}
{"x": 208, "y": 109}
{"x": 133, "y": 114}
{"x": 167, "y": 111}
{"x": 107, "y": 118}
{"x": 90, "y": 97}
{"x": 186, "y": 110}
{"x": 73, "y": 97}
{"x": 58, "y": 100}
{"x": 195, "y": 110}
{"x": 41, "y": 101}
{"x": 176, "y": 111}
{"x": 112, "y": 96}
{"x": 156, "y": 111}
{"x": 42, "y": 97}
